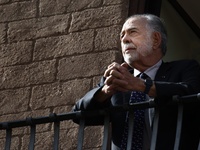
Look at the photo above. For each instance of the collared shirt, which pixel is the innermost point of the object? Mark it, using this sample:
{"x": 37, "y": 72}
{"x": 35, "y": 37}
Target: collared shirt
{"x": 151, "y": 72}
{"x": 149, "y": 113}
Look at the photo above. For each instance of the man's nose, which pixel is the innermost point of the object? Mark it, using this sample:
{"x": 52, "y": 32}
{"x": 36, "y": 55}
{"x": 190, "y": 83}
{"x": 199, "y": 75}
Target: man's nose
{"x": 126, "y": 39}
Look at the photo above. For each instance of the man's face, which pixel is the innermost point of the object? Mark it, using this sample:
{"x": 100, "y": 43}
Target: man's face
{"x": 136, "y": 41}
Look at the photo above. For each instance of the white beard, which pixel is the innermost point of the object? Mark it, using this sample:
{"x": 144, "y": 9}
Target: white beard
{"x": 130, "y": 57}
{"x": 144, "y": 49}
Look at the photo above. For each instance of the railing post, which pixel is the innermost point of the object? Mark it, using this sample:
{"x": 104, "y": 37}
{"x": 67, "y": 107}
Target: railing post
{"x": 8, "y": 138}
{"x": 106, "y": 131}
{"x": 29, "y": 121}
{"x": 56, "y": 135}
{"x": 179, "y": 122}
{"x": 81, "y": 134}
{"x": 155, "y": 130}
{"x": 81, "y": 129}
{"x": 130, "y": 129}
{"x": 32, "y": 137}
{"x": 53, "y": 117}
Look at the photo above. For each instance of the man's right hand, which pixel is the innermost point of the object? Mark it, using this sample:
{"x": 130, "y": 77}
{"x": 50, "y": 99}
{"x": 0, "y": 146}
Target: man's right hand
{"x": 112, "y": 73}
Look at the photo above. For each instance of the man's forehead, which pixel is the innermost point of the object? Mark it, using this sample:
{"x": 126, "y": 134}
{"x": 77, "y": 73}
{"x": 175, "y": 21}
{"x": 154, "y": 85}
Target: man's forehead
{"x": 134, "y": 22}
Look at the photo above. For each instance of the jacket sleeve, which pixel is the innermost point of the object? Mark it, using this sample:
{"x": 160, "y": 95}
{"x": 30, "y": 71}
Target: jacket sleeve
{"x": 184, "y": 80}
{"x": 89, "y": 103}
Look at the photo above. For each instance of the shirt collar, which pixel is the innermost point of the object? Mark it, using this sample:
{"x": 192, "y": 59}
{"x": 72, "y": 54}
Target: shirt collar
{"x": 151, "y": 72}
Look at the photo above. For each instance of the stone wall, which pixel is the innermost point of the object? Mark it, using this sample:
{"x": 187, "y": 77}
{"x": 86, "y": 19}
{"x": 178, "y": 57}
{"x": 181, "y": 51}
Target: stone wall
{"x": 51, "y": 53}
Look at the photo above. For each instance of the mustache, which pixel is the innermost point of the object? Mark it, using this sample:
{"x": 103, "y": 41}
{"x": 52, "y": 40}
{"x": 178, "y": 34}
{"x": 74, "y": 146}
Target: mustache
{"x": 128, "y": 45}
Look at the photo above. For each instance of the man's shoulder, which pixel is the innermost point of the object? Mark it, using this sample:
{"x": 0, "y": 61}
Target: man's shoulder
{"x": 181, "y": 62}
{"x": 179, "y": 65}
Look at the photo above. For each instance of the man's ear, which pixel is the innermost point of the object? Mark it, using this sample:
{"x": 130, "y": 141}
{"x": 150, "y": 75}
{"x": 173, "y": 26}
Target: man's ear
{"x": 156, "y": 40}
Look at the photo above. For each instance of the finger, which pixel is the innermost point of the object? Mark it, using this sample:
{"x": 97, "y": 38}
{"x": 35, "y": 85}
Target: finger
{"x": 107, "y": 72}
{"x": 119, "y": 82}
{"x": 113, "y": 66}
{"x": 113, "y": 74}
{"x": 116, "y": 74}
{"x": 110, "y": 65}
{"x": 108, "y": 80}
{"x": 125, "y": 65}
{"x": 113, "y": 88}
{"x": 108, "y": 89}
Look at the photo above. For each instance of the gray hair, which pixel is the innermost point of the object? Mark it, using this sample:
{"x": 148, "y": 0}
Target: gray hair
{"x": 157, "y": 25}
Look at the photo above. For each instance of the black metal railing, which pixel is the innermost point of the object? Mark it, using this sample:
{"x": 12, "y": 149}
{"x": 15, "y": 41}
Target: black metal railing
{"x": 57, "y": 118}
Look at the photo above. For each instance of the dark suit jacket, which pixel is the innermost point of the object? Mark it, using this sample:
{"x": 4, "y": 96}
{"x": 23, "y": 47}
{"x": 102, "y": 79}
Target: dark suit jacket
{"x": 174, "y": 78}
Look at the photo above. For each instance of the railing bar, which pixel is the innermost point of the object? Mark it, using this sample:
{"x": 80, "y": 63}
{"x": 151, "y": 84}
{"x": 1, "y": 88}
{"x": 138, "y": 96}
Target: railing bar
{"x": 194, "y": 96}
{"x": 32, "y": 137}
{"x": 81, "y": 134}
{"x": 8, "y": 138}
{"x": 56, "y": 135}
{"x": 179, "y": 126}
{"x": 106, "y": 131}
{"x": 72, "y": 115}
{"x": 39, "y": 120}
{"x": 130, "y": 129}
{"x": 155, "y": 130}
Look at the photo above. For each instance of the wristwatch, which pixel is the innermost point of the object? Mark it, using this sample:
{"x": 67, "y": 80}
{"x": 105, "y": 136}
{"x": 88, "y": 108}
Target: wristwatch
{"x": 148, "y": 83}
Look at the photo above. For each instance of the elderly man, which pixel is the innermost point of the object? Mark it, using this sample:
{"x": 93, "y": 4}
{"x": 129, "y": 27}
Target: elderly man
{"x": 143, "y": 42}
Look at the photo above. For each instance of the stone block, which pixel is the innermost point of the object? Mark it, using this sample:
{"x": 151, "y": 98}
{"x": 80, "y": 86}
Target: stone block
{"x": 18, "y": 11}
{"x": 52, "y": 7}
{"x": 37, "y": 28}
{"x": 2, "y": 33}
{"x": 2, "y": 135}
{"x": 75, "y": 89}
{"x": 107, "y": 38}
{"x": 2, "y": 143}
{"x": 4, "y": 1}
{"x": 16, "y": 53}
{"x": 14, "y": 101}
{"x": 94, "y": 136}
{"x": 99, "y": 17}
{"x": 78, "y": 5}
{"x": 58, "y": 94}
{"x": 86, "y": 65}
{"x": 96, "y": 80}
{"x": 68, "y": 139}
{"x": 74, "y": 43}
{"x": 25, "y": 75}
{"x": 111, "y": 2}
{"x": 19, "y": 0}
